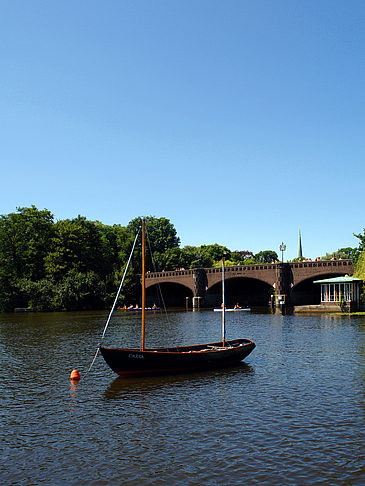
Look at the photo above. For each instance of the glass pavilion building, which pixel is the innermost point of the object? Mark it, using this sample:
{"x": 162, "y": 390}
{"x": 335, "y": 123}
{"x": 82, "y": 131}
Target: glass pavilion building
{"x": 340, "y": 291}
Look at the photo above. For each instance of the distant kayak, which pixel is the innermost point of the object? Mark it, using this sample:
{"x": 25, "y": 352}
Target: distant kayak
{"x": 136, "y": 309}
{"x": 146, "y": 309}
{"x": 217, "y": 309}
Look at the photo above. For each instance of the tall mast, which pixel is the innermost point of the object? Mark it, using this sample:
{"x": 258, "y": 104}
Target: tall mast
{"x": 143, "y": 281}
{"x": 224, "y": 308}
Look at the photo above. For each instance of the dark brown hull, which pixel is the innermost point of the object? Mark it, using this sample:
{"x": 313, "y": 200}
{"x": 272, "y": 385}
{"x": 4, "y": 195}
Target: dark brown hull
{"x": 126, "y": 361}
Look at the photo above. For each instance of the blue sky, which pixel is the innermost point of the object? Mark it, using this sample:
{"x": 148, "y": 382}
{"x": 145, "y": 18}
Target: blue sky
{"x": 239, "y": 121}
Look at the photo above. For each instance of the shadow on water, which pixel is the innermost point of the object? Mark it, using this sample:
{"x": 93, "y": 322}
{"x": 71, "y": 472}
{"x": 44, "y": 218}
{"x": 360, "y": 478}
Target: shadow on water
{"x": 122, "y": 386}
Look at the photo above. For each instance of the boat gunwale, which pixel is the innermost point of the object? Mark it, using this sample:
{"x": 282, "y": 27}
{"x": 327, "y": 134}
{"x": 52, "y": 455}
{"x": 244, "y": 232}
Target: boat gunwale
{"x": 233, "y": 344}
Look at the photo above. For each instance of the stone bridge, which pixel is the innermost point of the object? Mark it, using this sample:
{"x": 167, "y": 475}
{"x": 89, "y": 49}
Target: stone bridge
{"x": 292, "y": 281}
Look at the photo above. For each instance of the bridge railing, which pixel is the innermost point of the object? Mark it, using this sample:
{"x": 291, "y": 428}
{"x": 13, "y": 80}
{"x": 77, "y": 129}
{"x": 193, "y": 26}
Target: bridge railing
{"x": 322, "y": 263}
{"x": 236, "y": 268}
{"x": 256, "y": 267}
{"x": 169, "y": 273}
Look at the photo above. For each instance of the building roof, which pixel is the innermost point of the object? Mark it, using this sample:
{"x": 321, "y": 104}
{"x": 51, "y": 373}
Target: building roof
{"x": 345, "y": 279}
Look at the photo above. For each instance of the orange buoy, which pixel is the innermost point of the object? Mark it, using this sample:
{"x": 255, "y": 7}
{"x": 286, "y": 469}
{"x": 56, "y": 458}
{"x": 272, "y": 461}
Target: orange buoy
{"x": 75, "y": 375}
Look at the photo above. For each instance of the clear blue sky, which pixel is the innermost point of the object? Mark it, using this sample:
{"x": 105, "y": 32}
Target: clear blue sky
{"x": 238, "y": 120}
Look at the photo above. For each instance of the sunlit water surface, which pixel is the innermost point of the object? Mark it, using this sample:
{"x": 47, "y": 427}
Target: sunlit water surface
{"x": 293, "y": 413}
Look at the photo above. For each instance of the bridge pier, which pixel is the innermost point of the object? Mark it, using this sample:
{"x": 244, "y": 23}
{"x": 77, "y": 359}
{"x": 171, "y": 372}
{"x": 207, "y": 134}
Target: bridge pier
{"x": 200, "y": 285}
{"x": 196, "y": 303}
{"x": 283, "y": 288}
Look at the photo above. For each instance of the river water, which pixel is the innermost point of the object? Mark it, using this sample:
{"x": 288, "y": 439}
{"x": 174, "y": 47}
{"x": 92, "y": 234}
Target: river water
{"x": 292, "y": 414}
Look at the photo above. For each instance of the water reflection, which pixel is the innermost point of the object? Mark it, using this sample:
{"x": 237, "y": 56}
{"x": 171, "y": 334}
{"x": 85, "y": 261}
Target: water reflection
{"x": 122, "y": 386}
{"x": 73, "y": 393}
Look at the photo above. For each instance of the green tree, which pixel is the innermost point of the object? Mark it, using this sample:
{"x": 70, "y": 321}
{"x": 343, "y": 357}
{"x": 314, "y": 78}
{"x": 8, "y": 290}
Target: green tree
{"x": 172, "y": 259}
{"x": 160, "y": 235}
{"x": 215, "y": 252}
{"x": 360, "y": 267}
{"x": 360, "y": 272}
{"x": 160, "y": 232}
{"x": 39, "y": 295}
{"x": 80, "y": 291}
{"x": 361, "y": 237}
{"x": 266, "y": 256}
{"x": 348, "y": 253}
{"x": 245, "y": 257}
{"x": 195, "y": 257}
{"x": 343, "y": 253}
{"x": 116, "y": 244}
{"x": 76, "y": 245}
{"x": 25, "y": 241}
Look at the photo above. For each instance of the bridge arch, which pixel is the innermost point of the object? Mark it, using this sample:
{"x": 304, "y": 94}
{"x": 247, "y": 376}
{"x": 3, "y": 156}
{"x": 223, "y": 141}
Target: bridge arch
{"x": 173, "y": 294}
{"x": 245, "y": 291}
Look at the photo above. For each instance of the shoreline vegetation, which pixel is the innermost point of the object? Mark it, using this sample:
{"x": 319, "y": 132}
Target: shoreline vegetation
{"x": 77, "y": 264}
{"x": 352, "y": 314}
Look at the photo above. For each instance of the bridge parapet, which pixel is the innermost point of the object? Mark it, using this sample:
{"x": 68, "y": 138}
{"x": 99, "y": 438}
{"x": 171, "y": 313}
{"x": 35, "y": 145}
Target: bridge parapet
{"x": 322, "y": 263}
{"x": 169, "y": 273}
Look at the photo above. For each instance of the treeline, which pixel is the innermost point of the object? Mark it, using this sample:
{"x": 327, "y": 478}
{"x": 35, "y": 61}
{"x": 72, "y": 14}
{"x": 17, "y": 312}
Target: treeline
{"x": 77, "y": 264}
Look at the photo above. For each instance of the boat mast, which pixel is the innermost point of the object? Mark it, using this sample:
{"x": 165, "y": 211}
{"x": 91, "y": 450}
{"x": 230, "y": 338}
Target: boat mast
{"x": 223, "y": 309}
{"x": 143, "y": 281}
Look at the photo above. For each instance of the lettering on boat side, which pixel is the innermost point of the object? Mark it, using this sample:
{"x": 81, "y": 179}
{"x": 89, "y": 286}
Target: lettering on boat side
{"x": 135, "y": 355}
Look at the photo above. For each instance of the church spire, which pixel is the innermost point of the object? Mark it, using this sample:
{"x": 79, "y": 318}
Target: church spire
{"x": 300, "y": 251}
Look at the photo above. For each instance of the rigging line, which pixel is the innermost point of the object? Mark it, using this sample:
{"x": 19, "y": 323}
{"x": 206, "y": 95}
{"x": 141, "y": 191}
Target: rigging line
{"x": 158, "y": 285}
{"x": 120, "y": 286}
{"x": 115, "y": 301}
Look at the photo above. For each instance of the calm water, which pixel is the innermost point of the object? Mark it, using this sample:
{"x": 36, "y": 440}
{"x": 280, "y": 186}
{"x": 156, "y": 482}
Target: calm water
{"x": 292, "y": 414}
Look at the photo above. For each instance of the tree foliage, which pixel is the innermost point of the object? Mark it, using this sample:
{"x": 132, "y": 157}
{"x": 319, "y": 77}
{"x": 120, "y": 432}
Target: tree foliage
{"x": 78, "y": 264}
{"x": 360, "y": 267}
{"x": 266, "y": 256}
{"x": 25, "y": 241}
{"x": 360, "y": 272}
{"x": 76, "y": 245}
{"x": 73, "y": 263}
{"x": 343, "y": 254}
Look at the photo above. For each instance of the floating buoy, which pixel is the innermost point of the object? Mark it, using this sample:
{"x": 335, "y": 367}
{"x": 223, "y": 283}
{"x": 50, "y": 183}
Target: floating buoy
{"x": 75, "y": 375}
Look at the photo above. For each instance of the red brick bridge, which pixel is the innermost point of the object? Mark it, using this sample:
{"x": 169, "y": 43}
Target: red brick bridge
{"x": 250, "y": 284}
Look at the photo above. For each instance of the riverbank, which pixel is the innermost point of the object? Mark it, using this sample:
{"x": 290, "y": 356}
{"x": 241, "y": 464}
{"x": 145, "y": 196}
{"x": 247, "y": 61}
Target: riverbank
{"x": 324, "y": 309}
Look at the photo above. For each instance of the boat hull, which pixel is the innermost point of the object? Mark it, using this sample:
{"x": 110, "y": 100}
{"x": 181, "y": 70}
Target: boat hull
{"x": 129, "y": 362}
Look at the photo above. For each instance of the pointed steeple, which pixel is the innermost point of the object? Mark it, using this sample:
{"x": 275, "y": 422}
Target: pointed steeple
{"x": 300, "y": 251}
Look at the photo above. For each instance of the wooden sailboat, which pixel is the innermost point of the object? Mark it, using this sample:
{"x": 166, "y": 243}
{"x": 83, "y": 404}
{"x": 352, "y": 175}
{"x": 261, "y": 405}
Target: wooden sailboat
{"x": 148, "y": 361}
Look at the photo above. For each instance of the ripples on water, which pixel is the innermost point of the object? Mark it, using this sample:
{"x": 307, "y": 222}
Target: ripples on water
{"x": 293, "y": 413}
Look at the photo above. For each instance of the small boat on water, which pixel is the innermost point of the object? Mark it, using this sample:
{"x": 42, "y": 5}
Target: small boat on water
{"x": 162, "y": 360}
{"x": 133, "y": 361}
{"x": 138, "y": 309}
{"x": 238, "y": 309}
